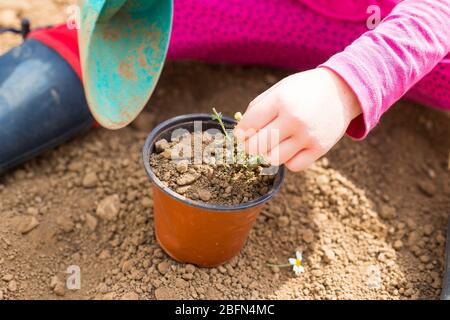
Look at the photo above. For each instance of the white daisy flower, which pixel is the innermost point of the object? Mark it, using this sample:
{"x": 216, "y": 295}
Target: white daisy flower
{"x": 297, "y": 263}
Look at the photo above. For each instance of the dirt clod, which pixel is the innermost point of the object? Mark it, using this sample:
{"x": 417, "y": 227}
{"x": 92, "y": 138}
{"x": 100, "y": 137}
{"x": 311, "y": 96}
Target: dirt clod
{"x": 12, "y": 286}
{"x": 283, "y": 221}
{"x": 90, "y": 180}
{"x": 428, "y": 188}
{"x": 308, "y": 236}
{"x": 66, "y": 223}
{"x": 27, "y": 224}
{"x": 108, "y": 208}
{"x": 329, "y": 256}
{"x": 204, "y": 195}
{"x": 163, "y": 267}
{"x": 91, "y": 222}
{"x": 187, "y": 178}
{"x": 387, "y": 212}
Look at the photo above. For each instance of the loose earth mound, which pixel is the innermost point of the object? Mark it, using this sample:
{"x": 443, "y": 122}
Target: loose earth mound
{"x": 370, "y": 218}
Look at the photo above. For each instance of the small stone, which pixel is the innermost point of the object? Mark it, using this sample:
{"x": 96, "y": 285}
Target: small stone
{"x": 187, "y": 178}
{"x": 187, "y": 276}
{"x": 409, "y": 292}
{"x": 27, "y": 224}
{"x": 323, "y": 180}
{"x": 167, "y": 154}
{"x": 91, "y": 222}
{"x": 398, "y": 244}
{"x": 90, "y": 180}
{"x": 283, "y": 221}
{"x": 180, "y": 283}
{"x": 147, "y": 202}
{"x": 382, "y": 257}
{"x": 428, "y": 229}
{"x": 161, "y": 145}
{"x": 165, "y": 176}
{"x": 104, "y": 255}
{"x": 8, "y": 277}
{"x": 183, "y": 190}
{"x": 163, "y": 267}
{"x": 108, "y": 208}
{"x": 190, "y": 268}
{"x": 53, "y": 282}
{"x": 308, "y": 236}
{"x": 1, "y": 295}
{"x": 60, "y": 289}
{"x": 276, "y": 210}
{"x": 131, "y": 296}
{"x": 413, "y": 238}
{"x": 204, "y": 195}
{"x": 183, "y": 166}
{"x": 32, "y": 211}
{"x": 127, "y": 266}
{"x": 12, "y": 286}
{"x": 328, "y": 255}
{"x": 222, "y": 269}
{"x": 387, "y": 212}
{"x": 428, "y": 188}
{"x": 431, "y": 173}
{"x": 424, "y": 258}
{"x": 66, "y": 223}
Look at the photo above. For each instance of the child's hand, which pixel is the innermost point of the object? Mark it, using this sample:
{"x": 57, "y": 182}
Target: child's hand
{"x": 299, "y": 119}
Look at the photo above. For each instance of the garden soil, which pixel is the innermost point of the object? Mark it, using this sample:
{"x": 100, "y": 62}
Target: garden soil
{"x": 370, "y": 217}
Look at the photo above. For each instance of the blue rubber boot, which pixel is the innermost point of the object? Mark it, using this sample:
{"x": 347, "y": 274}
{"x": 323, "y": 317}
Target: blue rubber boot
{"x": 42, "y": 103}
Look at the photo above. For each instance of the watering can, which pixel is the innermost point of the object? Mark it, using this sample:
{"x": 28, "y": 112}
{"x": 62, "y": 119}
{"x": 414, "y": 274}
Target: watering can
{"x": 123, "y": 46}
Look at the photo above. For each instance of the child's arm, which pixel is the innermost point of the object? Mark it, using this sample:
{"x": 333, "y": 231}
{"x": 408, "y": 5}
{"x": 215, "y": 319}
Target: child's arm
{"x": 312, "y": 110}
{"x": 383, "y": 64}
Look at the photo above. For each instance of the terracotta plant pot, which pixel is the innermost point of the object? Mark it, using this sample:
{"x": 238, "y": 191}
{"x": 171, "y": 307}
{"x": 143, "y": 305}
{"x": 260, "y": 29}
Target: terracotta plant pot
{"x": 191, "y": 232}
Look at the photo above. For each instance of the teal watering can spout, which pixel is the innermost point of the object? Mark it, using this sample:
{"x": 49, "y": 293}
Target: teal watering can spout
{"x": 123, "y": 46}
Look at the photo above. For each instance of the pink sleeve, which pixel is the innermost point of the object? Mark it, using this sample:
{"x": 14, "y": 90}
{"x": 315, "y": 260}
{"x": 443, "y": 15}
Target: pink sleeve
{"x": 383, "y": 64}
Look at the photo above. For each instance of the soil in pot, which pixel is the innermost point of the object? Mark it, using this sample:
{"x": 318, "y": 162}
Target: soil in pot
{"x": 214, "y": 180}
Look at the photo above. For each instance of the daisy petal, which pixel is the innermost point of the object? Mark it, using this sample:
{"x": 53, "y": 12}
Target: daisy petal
{"x": 298, "y": 270}
{"x": 299, "y": 255}
{"x": 292, "y": 261}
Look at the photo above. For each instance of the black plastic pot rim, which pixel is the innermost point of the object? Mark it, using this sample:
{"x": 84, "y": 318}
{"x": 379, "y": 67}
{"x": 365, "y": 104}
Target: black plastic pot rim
{"x": 158, "y": 130}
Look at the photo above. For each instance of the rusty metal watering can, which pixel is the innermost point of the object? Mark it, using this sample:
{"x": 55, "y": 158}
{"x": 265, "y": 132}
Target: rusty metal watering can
{"x": 123, "y": 46}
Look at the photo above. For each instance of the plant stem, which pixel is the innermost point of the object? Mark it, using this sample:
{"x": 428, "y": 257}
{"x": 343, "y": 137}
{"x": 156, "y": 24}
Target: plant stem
{"x": 279, "y": 265}
{"x": 218, "y": 117}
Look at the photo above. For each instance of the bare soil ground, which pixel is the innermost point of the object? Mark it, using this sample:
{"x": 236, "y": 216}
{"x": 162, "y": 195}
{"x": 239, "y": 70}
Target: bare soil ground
{"x": 370, "y": 218}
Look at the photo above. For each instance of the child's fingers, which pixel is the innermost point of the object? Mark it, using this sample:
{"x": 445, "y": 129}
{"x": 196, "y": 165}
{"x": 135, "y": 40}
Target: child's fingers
{"x": 261, "y": 97}
{"x": 256, "y": 118}
{"x": 269, "y": 136}
{"x": 302, "y": 160}
{"x": 283, "y": 152}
